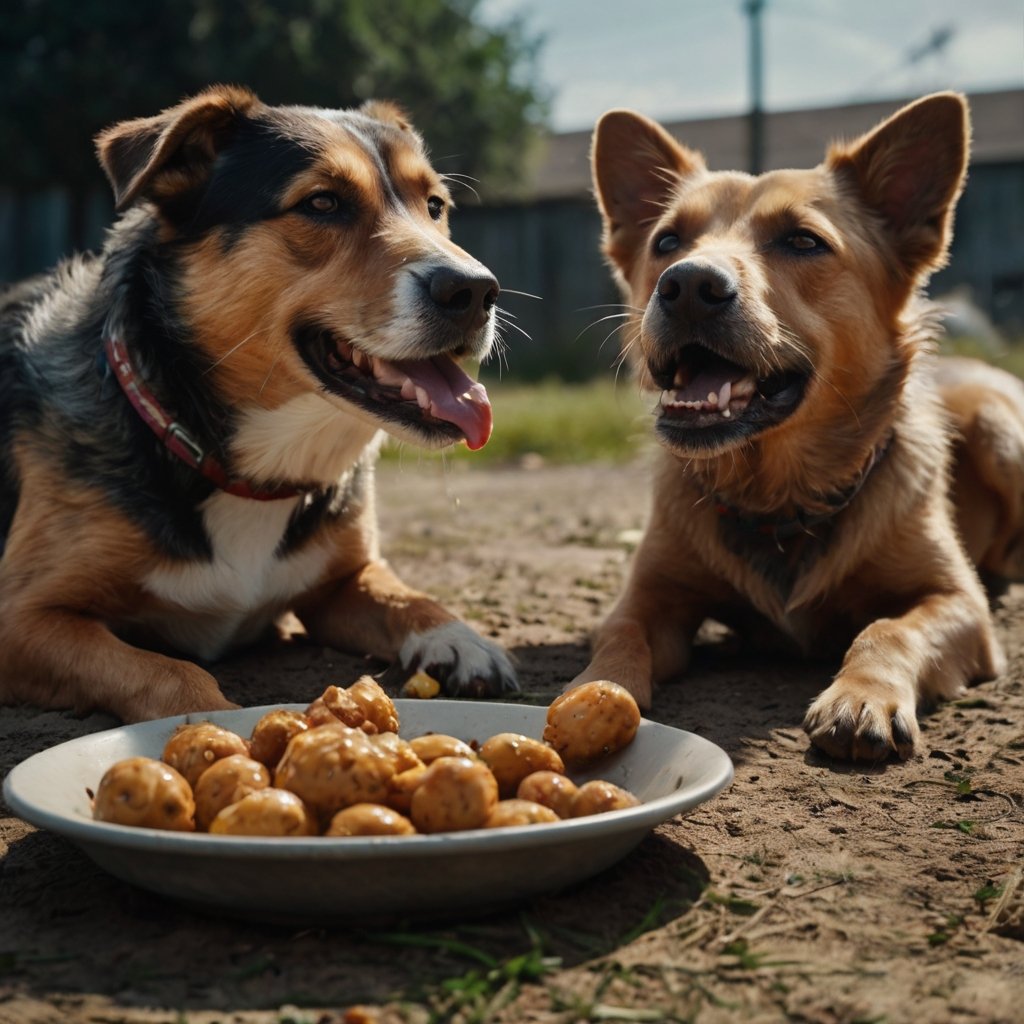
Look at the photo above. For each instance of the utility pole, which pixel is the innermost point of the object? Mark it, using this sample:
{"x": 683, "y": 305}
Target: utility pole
{"x": 755, "y": 140}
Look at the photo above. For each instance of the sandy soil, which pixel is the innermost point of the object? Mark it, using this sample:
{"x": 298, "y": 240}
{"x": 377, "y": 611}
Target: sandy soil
{"x": 807, "y": 891}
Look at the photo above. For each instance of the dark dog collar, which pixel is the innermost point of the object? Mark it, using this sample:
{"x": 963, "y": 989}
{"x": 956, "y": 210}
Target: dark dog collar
{"x": 175, "y": 437}
{"x": 803, "y": 520}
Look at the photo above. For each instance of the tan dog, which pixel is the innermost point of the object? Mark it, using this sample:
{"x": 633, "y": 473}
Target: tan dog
{"x": 809, "y": 435}
{"x": 189, "y": 421}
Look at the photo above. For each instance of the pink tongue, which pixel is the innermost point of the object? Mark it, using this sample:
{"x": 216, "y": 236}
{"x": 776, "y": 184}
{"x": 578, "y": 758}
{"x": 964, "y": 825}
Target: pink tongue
{"x": 454, "y": 396}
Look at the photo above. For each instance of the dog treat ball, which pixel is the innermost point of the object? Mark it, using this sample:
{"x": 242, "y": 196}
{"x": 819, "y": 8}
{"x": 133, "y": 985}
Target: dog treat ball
{"x": 272, "y": 733}
{"x": 551, "y": 789}
{"x": 432, "y": 745}
{"x": 519, "y": 812}
{"x": 335, "y": 705}
{"x": 375, "y": 704}
{"x": 591, "y": 721}
{"x": 331, "y": 767}
{"x": 225, "y": 782}
{"x": 193, "y": 748}
{"x": 146, "y": 793}
{"x": 369, "y": 820}
{"x": 265, "y": 812}
{"x": 511, "y": 757}
{"x": 456, "y": 793}
{"x": 597, "y": 797}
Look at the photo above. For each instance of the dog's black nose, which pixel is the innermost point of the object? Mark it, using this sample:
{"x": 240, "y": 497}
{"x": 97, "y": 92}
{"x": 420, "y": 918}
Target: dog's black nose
{"x": 694, "y": 290}
{"x": 464, "y": 298}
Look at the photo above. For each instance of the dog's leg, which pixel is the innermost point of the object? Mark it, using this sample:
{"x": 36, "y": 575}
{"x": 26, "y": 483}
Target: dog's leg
{"x": 646, "y": 638}
{"x": 59, "y": 658}
{"x": 376, "y": 613}
{"x": 929, "y": 653}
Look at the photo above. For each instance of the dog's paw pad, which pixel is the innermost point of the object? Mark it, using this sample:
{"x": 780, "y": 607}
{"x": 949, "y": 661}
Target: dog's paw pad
{"x": 462, "y": 661}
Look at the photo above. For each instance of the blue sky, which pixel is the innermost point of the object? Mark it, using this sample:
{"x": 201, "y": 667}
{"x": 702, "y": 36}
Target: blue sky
{"x": 688, "y": 58}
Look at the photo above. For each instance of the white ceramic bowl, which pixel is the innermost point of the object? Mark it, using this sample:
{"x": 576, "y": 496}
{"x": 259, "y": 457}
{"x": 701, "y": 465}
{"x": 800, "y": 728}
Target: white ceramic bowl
{"x": 322, "y": 879}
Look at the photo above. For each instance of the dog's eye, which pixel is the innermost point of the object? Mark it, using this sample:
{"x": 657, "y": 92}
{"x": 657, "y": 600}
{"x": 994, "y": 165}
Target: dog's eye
{"x": 804, "y": 242}
{"x": 322, "y": 203}
{"x": 435, "y": 207}
{"x": 666, "y": 243}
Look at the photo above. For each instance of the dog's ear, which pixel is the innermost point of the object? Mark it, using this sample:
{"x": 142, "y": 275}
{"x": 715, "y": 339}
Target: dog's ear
{"x": 910, "y": 171}
{"x": 163, "y": 155}
{"x": 387, "y": 112}
{"x": 636, "y": 165}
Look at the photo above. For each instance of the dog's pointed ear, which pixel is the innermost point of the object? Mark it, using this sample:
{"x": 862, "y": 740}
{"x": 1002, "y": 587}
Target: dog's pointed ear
{"x": 161, "y": 155}
{"x": 636, "y": 165}
{"x": 910, "y": 171}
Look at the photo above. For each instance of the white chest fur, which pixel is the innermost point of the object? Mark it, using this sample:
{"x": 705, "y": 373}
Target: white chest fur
{"x": 213, "y": 605}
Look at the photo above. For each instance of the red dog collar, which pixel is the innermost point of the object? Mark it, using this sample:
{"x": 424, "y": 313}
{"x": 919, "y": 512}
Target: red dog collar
{"x": 175, "y": 437}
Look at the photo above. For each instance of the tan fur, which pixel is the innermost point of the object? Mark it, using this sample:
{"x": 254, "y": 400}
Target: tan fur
{"x": 891, "y": 585}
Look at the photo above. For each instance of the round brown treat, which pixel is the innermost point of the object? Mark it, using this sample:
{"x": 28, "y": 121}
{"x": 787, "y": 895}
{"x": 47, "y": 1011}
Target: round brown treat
{"x": 401, "y": 787}
{"x": 456, "y": 793}
{"x": 433, "y": 745}
{"x": 549, "y": 789}
{"x": 375, "y": 704}
{"x": 265, "y": 812}
{"x": 146, "y": 793}
{"x": 193, "y": 748}
{"x": 272, "y": 733}
{"x": 519, "y": 812}
{"x": 339, "y": 705}
{"x": 591, "y": 721}
{"x": 369, "y": 820}
{"x": 405, "y": 757}
{"x": 511, "y": 757}
{"x": 597, "y": 796}
{"x": 225, "y": 782}
{"x": 331, "y": 767}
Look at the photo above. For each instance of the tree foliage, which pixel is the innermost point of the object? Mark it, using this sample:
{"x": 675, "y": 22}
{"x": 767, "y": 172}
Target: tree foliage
{"x": 70, "y": 67}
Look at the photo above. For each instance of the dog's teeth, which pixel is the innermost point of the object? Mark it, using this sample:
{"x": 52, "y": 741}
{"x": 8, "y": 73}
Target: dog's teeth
{"x": 422, "y": 398}
{"x": 344, "y": 351}
{"x": 726, "y": 413}
{"x": 712, "y": 398}
{"x": 680, "y": 379}
{"x": 358, "y": 358}
{"x": 723, "y": 397}
{"x": 408, "y": 390}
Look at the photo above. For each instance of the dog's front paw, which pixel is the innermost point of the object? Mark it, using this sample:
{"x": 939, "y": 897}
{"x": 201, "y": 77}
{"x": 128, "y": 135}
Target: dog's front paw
{"x": 863, "y": 721}
{"x": 463, "y": 662}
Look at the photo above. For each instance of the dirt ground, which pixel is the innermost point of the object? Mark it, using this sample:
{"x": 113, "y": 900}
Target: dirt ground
{"x": 807, "y": 891}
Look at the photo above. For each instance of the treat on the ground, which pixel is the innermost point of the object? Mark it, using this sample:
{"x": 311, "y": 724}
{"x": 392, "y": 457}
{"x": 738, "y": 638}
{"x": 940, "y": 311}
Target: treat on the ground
{"x": 512, "y": 756}
{"x": 422, "y": 686}
{"x": 433, "y": 745}
{"x": 551, "y": 789}
{"x": 591, "y": 721}
{"x": 402, "y": 785}
{"x": 272, "y": 732}
{"x": 146, "y": 793}
{"x": 369, "y": 820}
{"x": 377, "y": 707}
{"x": 192, "y": 748}
{"x": 456, "y": 793}
{"x": 519, "y": 812}
{"x": 598, "y": 797}
{"x": 331, "y": 767}
{"x": 265, "y": 812}
{"x": 225, "y": 782}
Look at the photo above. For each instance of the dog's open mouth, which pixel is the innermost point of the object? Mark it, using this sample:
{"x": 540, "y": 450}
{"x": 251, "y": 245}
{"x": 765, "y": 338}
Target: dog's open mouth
{"x": 434, "y": 396}
{"x": 707, "y": 400}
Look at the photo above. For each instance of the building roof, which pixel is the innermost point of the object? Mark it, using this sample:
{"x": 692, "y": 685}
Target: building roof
{"x": 792, "y": 138}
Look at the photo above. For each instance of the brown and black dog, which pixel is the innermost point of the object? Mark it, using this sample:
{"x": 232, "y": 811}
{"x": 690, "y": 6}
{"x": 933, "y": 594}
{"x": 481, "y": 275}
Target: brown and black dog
{"x": 189, "y": 420}
{"x": 809, "y": 436}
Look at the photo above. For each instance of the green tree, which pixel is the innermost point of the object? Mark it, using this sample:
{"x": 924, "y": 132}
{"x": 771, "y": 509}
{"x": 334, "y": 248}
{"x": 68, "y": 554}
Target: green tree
{"x": 70, "y": 67}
